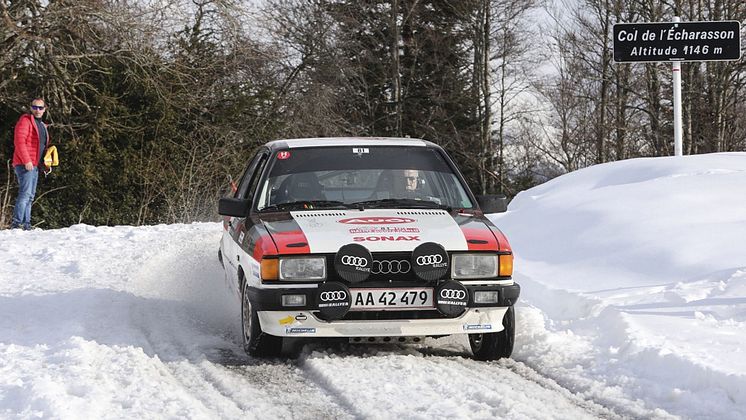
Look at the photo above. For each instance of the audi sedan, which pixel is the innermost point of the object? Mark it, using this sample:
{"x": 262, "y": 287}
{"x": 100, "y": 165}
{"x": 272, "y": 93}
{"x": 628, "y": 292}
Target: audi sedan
{"x": 367, "y": 239}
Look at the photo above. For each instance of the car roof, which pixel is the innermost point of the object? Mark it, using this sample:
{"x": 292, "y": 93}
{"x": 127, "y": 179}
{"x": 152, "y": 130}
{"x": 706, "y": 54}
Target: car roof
{"x": 348, "y": 141}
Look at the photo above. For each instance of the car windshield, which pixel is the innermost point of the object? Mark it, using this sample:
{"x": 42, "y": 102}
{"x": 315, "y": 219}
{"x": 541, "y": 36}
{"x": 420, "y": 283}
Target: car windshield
{"x": 361, "y": 177}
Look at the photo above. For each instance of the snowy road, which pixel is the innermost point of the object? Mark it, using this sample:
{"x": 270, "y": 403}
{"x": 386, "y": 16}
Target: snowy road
{"x": 630, "y": 308}
{"x": 132, "y": 322}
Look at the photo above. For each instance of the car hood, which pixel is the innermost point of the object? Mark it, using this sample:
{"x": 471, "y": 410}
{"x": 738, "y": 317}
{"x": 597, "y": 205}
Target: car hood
{"x": 380, "y": 230}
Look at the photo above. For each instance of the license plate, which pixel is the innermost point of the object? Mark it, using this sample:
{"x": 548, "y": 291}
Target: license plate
{"x": 391, "y": 299}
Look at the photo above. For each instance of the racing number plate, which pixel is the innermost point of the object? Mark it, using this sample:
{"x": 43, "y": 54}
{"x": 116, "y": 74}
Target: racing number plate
{"x": 392, "y": 299}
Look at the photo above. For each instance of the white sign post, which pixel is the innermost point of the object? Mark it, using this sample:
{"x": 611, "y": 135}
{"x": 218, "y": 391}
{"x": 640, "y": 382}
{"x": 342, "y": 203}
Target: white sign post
{"x": 677, "y": 143}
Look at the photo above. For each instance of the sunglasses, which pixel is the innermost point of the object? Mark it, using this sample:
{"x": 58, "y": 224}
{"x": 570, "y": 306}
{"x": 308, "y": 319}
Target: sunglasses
{"x": 37, "y": 107}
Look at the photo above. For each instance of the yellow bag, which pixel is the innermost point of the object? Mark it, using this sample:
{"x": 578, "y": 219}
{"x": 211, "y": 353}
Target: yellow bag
{"x": 51, "y": 158}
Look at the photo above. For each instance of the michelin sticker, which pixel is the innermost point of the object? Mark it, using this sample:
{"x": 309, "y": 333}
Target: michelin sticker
{"x": 470, "y": 327}
{"x": 298, "y": 330}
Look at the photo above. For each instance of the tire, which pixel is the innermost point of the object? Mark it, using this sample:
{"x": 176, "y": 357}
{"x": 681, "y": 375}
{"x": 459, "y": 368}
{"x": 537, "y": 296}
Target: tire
{"x": 497, "y": 345}
{"x": 256, "y": 342}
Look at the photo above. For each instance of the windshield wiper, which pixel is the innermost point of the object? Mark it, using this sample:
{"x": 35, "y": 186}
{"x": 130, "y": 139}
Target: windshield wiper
{"x": 400, "y": 203}
{"x": 306, "y": 205}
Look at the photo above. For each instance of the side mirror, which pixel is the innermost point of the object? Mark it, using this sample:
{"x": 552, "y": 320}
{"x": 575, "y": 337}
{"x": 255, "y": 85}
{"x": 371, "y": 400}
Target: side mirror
{"x": 235, "y": 207}
{"x": 493, "y": 203}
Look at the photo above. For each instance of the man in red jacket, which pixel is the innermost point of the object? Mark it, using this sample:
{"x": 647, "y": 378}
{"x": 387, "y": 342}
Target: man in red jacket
{"x": 30, "y": 140}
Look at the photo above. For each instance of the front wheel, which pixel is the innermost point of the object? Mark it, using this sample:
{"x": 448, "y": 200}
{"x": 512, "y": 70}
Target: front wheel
{"x": 255, "y": 341}
{"x": 493, "y": 346}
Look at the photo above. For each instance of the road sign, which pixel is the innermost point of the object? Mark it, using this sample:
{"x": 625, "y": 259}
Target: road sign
{"x": 677, "y": 41}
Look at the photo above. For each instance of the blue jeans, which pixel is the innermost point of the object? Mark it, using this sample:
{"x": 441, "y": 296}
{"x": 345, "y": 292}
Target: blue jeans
{"x": 26, "y": 192}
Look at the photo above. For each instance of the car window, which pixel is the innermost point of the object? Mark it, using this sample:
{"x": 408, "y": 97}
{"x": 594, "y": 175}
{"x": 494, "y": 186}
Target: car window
{"x": 349, "y": 175}
{"x": 348, "y": 185}
{"x": 257, "y": 174}
{"x": 249, "y": 178}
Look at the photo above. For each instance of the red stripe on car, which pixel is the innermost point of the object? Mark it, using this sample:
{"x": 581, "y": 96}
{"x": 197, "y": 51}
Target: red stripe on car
{"x": 291, "y": 242}
{"x": 479, "y": 239}
{"x": 264, "y": 246}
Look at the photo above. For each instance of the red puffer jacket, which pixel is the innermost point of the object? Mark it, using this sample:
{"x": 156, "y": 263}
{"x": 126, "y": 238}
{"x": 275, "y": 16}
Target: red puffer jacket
{"x": 26, "y": 141}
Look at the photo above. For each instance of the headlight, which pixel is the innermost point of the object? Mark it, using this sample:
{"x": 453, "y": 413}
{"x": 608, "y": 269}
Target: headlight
{"x": 303, "y": 268}
{"x": 474, "y": 266}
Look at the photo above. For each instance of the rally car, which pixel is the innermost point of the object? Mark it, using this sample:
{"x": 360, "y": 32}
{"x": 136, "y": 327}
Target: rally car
{"x": 367, "y": 239}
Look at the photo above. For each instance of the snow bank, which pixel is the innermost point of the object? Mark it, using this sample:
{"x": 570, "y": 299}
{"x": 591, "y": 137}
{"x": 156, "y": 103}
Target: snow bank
{"x": 634, "y": 281}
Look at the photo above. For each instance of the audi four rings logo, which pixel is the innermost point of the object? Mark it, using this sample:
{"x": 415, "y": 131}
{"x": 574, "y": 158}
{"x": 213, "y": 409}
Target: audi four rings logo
{"x": 354, "y": 261}
{"x": 336, "y": 295}
{"x": 390, "y": 267}
{"x": 452, "y": 294}
{"x": 429, "y": 259}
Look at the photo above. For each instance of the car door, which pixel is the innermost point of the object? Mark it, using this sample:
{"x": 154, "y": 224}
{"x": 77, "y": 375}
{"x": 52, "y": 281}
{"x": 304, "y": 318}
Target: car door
{"x": 239, "y": 227}
{"x": 232, "y": 235}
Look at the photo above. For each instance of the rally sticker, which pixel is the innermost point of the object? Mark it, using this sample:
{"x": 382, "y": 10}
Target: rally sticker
{"x": 384, "y": 229}
{"x": 469, "y": 327}
{"x": 385, "y": 238}
{"x": 386, "y": 220}
{"x": 300, "y": 330}
{"x": 283, "y": 155}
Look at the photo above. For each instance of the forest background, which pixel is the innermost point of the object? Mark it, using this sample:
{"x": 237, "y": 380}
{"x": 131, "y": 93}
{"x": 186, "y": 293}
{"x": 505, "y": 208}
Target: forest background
{"x": 156, "y": 104}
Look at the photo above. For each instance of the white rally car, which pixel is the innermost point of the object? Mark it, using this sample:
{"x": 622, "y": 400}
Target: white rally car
{"x": 371, "y": 239}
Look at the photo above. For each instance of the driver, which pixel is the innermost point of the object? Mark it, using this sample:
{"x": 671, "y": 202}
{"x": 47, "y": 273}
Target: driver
{"x": 412, "y": 180}
{"x": 407, "y": 184}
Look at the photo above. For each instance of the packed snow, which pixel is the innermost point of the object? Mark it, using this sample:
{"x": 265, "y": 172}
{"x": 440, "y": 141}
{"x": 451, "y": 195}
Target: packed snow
{"x": 633, "y": 305}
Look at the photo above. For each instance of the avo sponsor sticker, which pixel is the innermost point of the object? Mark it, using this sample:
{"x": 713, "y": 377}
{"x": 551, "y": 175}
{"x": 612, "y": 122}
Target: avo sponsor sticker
{"x": 371, "y": 220}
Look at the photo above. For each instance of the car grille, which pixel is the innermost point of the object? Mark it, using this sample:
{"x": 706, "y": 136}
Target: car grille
{"x": 387, "y": 267}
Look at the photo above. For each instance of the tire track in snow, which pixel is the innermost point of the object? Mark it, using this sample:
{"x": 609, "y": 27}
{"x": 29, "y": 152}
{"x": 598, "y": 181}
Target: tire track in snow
{"x": 387, "y": 381}
{"x": 502, "y": 366}
{"x": 294, "y": 390}
{"x": 472, "y": 382}
{"x": 312, "y": 376}
{"x": 594, "y": 408}
{"x": 232, "y": 385}
{"x": 594, "y": 403}
{"x": 195, "y": 339}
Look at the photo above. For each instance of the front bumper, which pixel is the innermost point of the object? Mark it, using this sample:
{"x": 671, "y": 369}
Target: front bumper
{"x": 266, "y": 299}
{"x": 305, "y": 324}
